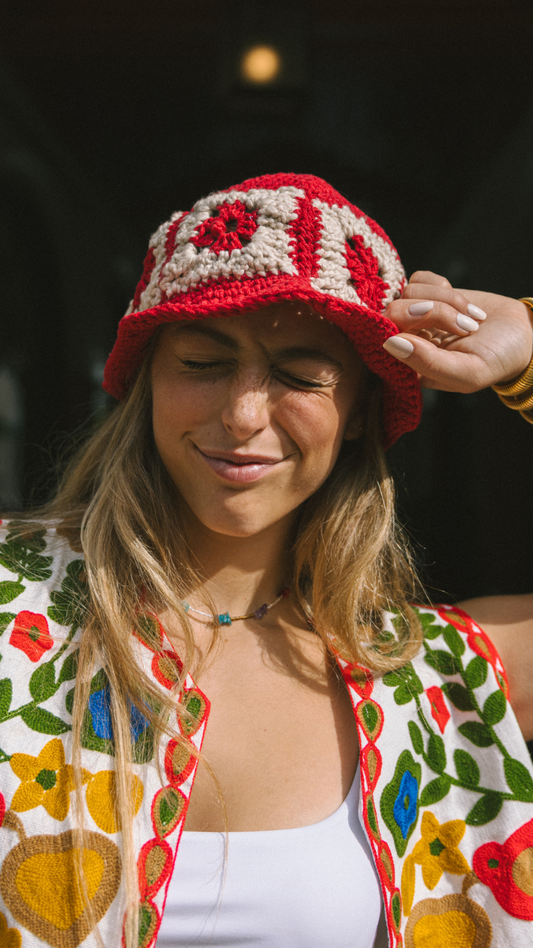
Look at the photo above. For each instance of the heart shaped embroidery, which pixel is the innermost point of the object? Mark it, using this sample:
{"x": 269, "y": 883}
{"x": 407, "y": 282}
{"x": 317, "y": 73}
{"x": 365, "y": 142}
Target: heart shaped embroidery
{"x": 39, "y": 883}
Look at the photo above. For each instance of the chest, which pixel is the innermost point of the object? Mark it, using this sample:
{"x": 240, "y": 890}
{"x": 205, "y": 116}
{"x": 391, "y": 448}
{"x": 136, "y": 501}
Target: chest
{"x": 281, "y": 748}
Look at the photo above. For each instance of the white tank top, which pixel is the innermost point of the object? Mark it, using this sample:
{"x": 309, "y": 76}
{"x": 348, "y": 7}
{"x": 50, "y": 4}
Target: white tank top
{"x": 298, "y": 888}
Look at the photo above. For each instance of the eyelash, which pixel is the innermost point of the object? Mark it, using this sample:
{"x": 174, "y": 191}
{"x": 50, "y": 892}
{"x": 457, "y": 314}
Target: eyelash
{"x": 293, "y": 380}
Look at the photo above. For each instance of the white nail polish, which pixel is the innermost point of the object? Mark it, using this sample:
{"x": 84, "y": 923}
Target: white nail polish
{"x": 464, "y": 322}
{"x": 398, "y": 347}
{"x": 421, "y": 308}
{"x": 476, "y": 312}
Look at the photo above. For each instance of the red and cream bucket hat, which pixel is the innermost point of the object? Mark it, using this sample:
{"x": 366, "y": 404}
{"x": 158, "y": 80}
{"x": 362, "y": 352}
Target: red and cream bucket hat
{"x": 272, "y": 238}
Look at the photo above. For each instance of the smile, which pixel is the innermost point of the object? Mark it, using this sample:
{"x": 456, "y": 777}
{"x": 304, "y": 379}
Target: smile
{"x": 239, "y": 468}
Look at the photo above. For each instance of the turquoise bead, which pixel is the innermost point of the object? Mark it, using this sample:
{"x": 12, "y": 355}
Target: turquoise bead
{"x": 225, "y": 619}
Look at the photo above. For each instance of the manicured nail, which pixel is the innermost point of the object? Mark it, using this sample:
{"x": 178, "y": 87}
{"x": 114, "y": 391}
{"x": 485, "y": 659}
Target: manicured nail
{"x": 464, "y": 322}
{"x": 421, "y": 308}
{"x": 398, "y": 347}
{"x": 476, "y": 312}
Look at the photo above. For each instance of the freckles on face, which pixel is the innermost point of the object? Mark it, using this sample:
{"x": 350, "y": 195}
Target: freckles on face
{"x": 250, "y": 412}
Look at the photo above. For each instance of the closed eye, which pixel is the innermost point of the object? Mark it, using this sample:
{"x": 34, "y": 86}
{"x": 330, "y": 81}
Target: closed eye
{"x": 198, "y": 366}
{"x": 296, "y": 381}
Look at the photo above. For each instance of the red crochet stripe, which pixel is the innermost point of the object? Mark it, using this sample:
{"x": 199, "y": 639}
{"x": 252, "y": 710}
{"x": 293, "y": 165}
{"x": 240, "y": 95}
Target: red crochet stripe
{"x": 148, "y": 269}
{"x": 305, "y": 234}
{"x": 170, "y": 245}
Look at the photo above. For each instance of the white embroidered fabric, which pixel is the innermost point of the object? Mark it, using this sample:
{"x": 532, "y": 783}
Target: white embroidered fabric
{"x": 298, "y": 888}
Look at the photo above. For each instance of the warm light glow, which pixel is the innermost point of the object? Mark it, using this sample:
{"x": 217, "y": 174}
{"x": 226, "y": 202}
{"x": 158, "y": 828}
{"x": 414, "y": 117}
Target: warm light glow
{"x": 261, "y": 64}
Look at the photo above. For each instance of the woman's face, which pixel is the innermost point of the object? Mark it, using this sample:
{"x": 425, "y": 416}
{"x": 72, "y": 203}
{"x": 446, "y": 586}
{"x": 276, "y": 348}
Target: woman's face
{"x": 250, "y": 412}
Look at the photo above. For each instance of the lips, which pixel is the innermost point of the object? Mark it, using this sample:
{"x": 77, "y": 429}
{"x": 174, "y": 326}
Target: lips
{"x": 239, "y": 468}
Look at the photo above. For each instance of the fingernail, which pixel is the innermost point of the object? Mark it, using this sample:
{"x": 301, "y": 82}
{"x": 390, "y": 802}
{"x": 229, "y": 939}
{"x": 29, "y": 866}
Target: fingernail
{"x": 421, "y": 308}
{"x": 398, "y": 347}
{"x": 464, "y": 322}
{"x": 476, "y": 312}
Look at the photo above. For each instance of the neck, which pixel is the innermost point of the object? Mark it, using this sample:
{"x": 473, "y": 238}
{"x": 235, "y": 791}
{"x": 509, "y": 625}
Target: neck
{"x": 238, "y": 574}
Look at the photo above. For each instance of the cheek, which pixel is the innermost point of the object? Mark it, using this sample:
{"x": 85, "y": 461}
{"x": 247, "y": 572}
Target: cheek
{"x": 315, "y": 426}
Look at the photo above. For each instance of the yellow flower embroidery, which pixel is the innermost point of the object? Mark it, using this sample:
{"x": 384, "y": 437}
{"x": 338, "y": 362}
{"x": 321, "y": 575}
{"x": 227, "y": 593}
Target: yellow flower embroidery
{"x": 45, "y": 780}
{"x": 9, "y": 937}
{"x": 102, "y": 797}
{"x": 437, "y": 851}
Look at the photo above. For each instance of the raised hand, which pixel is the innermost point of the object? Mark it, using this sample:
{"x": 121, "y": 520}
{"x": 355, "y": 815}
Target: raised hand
{"x": 465, "y": 340}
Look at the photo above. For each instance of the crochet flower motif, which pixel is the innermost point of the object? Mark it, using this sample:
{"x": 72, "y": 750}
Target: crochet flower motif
{"x": 30, "y": 634}
{"x": 437, "y": 851}
{"x": 230, "y": 228}
{"x": 45, "y": 780}
{"x": 364, "y": 273}
{"x": 439, "y": 710}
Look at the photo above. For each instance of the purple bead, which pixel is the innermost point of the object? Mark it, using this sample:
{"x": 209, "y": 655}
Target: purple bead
{"x": 262, "y": 611}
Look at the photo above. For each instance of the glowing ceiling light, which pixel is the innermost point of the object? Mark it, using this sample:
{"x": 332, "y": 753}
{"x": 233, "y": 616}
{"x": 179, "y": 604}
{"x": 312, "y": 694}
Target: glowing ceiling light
{"x": 261, "y": 64}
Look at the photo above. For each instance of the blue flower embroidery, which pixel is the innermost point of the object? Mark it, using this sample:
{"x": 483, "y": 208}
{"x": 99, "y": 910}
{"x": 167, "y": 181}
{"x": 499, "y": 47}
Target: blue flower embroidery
{"x": 405, "y": 803}
{"x": 101, "y": 716}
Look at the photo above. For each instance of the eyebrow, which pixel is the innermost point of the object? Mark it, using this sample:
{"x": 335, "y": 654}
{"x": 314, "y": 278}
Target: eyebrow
{"x": 287, "y": 352}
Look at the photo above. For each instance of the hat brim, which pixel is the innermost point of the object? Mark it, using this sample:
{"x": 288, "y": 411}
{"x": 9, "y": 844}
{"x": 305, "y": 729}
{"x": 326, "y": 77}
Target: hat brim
{"x": 366, "y": 329}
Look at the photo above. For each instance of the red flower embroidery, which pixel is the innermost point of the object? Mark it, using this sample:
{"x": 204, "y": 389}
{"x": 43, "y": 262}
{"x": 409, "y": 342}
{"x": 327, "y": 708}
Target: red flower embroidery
{"x": 439, "y": 709}
{"x": 508, "y": 871}
{"x": 167, "y": 668}
{"x": 30, "y": 634}
{"x": 364, "y": 273}
{"x": 230, "y": 228}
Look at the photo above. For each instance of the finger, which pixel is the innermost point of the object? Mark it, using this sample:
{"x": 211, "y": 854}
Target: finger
{"x": 437, "y": 293}
{"x": 415, "y": 316}
{"x": 427, "y": 276}
{"x": 446, "y": 369}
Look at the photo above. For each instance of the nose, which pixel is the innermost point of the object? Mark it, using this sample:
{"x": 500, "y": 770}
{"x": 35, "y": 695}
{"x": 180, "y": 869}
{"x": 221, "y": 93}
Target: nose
{"x": 246, "y": 409}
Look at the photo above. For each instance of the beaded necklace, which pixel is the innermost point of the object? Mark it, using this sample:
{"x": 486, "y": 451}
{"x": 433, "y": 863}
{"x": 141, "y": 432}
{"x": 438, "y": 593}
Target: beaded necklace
{"x": 224, "y": 618}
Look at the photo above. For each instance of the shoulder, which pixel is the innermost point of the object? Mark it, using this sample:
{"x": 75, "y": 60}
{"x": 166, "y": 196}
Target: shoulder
{"x": 41, "y": 575}
{"x": 508, "y": 624}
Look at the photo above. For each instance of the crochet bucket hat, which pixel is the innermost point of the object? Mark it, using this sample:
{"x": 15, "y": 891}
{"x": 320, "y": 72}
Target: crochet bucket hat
{"x": 273, "y": 238}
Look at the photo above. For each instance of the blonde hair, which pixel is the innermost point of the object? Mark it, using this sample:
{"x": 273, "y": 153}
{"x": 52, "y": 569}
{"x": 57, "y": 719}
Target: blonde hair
{"x": 118, "y": 505}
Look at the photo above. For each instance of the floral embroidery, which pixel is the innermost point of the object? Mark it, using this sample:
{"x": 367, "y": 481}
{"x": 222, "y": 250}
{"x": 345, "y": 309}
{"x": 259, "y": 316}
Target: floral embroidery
{"x": 437, "y": 851}
{"x": 508, "y": 871}
{"x": 30, "y": 634}
{"x": 229, "y": 229}
{"x": 439, "y": 709}
{"x": 101, "y": 799}
{"x": 45, "y": 780}
{"x": 399, "y": 800}
{"x": 100, "y": 711}
{"x": 9, "y": 937}
{"x": 454, "y": 920}
{"x": 405, "y": 804}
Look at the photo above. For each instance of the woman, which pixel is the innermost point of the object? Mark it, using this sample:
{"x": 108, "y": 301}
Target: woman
{"x": 236, "y": 511}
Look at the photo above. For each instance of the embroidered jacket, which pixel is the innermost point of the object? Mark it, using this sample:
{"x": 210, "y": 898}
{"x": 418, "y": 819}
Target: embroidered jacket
{"x": 447, "y": 783}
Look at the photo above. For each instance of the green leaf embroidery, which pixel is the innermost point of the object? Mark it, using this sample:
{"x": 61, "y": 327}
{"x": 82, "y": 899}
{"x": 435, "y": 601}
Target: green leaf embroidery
{"x": 69, "y": 700}
{"x": 70, "y": 602}
{"x": 459, "y": 695}
{"x": 69, "y": 668}
{"x": 466, "y": 767}
{"x": 494, "y": 708}
{"x": 475, "y": 673}
{"x": 427, "y": 621}
{"x": 436, "y": 753}
{"x": 9, "y": 590}
{"x": 39, "y": 719}
{"x": 486, "y": 809}
{"x": 435, "y": 790}
{"x": 408, "y": 683}
{"x": 43, "y": 682}
{"x": 22, "y": 554}
{"x": 518, "y": 779}
{"x": 6, "y": 694}
{"x": 453, "y": 640}
{"x": 477, "y": 733}
{"x": 416, "y": 737}
{"x": 442, "y": 661}
{"x": 5, "y": 619}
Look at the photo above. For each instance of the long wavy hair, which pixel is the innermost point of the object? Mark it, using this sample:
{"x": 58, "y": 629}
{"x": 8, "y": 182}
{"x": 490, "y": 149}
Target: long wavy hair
{"x": 119, "y": 507}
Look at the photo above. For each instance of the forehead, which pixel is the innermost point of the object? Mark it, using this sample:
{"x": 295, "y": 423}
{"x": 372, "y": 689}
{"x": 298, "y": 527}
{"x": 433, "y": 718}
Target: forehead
{"x": 279, "y": 325}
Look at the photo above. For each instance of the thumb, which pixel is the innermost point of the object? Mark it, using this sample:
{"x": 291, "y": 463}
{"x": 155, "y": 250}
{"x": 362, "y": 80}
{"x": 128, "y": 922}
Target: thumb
{"x": 449, "y": 370}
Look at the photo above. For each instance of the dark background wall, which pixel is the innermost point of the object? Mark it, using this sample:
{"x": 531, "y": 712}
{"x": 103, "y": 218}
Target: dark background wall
{"x": 115, "y": 113}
